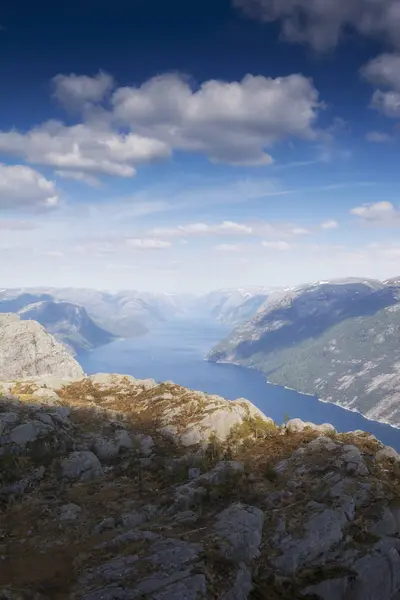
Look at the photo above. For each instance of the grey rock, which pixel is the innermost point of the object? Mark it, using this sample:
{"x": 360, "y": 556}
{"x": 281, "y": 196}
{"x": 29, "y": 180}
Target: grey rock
{"x": 222, "y": 472}
{"x": 330, "y": 589}
{"x": 7, "y": 420}
{"x": 388, "y": 522}
{"x": 108, "y": 448}
{"x": 194, "y": 472}
{"x": 81, "y": 466}
{"x": 29, "y": 432}
{"x": 144, "y": 444}
{"x": 26, "y": 349}
{"x": 359, "y": 492}
{"x": 186, "y": 516}
{"x": 322, "y": 530}
{"x": 70, "y": 512}
{"x": 134, "y": 535}
{"x": 160, "y": 580}
{"x": 242, "y": 586}
{"x": 378, "y": 574}
{"x": 191, "y": 588}
{"x": 47, "y": 396}
{"x": 110, "y": 592}
{"x": 352, "y": 460}
{"x": 172, "y": 553}
{"x": 238, "y": 532}
{"x": 132, "y": 519}
{"x": 297, "y": 425}
{"x": 116, "y": 569}
{"x": 105, "y": 525}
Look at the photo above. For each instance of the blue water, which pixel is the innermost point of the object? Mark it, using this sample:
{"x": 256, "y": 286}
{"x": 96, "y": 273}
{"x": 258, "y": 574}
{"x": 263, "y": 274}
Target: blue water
{"x": 175, "y": 352}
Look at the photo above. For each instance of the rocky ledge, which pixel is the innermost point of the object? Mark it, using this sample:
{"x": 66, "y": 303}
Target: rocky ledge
{"x": 112, "y": 488}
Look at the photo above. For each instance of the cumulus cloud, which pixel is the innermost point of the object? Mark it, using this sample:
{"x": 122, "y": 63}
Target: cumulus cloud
{"x": 322, "y": 23}
{"x": 74, "y": 91}
{"x": 330, "y": 224}
{"x": 384, "y": 70}
{"x": 231, "y": 122}
{"x": 280, "y": 245}
{"x": 23, "y": 187}
{"x": 380, "y": 213}
{"x": 83, "y": 148}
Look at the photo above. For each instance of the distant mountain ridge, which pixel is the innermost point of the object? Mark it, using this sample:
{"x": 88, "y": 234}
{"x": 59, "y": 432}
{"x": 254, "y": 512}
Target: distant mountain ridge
{"x": 337, "y": 340}
{"x": 69, "y": 323}
{"x": 129, "y": 313}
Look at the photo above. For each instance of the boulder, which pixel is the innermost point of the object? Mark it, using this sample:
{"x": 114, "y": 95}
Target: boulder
{"x": 81, "y": 466}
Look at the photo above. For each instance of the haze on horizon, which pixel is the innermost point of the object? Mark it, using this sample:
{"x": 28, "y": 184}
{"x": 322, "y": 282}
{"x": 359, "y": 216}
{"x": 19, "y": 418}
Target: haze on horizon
{"x": 174, "y": 148}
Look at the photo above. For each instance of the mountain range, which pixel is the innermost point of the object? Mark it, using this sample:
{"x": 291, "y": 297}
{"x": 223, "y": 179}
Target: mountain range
{"x": 338, "y": 340}
{"x": 83, "y": 318}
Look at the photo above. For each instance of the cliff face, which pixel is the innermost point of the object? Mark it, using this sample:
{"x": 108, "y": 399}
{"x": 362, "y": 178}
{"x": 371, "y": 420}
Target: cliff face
{"x": 116, "y": 488}
{"x": 26, "y": 349}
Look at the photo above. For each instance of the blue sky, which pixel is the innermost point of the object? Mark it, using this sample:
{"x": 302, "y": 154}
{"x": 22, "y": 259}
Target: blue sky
{"x": 171, "y": 147}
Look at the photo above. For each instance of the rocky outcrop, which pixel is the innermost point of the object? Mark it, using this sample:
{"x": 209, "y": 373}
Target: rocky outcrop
{"x": 26, "y": 349}
{"x": 117, "y": 488}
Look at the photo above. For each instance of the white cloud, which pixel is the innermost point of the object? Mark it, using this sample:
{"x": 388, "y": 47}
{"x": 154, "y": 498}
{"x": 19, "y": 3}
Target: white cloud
{"x": 83, "y": 148}
{"x": 378, "y": 137}
{"x": 229, "y": 122}
{"x": 147, "y": 243}
{"x": 330, "y": 224}
{"x": 79, "y": 176}
{"x": 378, "y": 213}
{"x": 322, "y": 23}
{"x": 384, "y": 70}
{"x": 224, "y": 228}
{"x": 280, "y": 245}
{"x": 23, "y": 187}
{"x": 74, "y": 91}
{"x": 300, "y": 231}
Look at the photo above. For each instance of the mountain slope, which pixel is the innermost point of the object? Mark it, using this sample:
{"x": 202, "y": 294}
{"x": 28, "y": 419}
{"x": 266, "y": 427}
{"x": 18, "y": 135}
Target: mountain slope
{"x": 336, "y": 340}
{"x": 26, "y": 349}
{"x": 132, "y": 489}
{"x": 70, "y": 324}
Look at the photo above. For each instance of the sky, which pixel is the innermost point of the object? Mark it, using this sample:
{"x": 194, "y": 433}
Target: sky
{"x": 184, "y": 147}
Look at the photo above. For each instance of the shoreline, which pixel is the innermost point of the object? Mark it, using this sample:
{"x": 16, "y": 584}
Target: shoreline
{"x": 323, "y": 400}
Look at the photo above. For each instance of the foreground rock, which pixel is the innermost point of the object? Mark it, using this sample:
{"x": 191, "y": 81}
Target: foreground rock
{"x": 26, "y": 349}
{"x": 117, "y": 488}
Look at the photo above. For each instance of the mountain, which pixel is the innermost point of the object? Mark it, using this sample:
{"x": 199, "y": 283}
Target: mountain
{"x": 231, "y": 306}
{"x": 69, "y": 323}
{"x": 122, "y": 314}
{"x": 133, "y": 489}
{"x": 26, "y": 349}
{"x": 129, "y": 313}
{"x": 337, "y": 340}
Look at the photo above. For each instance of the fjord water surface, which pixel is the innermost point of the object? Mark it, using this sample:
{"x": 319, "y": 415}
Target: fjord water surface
{"x": 175, "y": 352}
